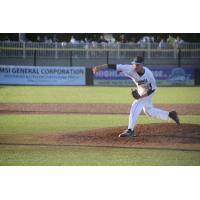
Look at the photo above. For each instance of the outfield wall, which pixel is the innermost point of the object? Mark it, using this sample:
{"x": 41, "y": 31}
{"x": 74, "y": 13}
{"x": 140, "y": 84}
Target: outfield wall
{"x": 48, "y": 75}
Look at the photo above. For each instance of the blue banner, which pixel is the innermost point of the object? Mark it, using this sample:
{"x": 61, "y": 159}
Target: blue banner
{"x": 29, "y": 75}
{"x": 163, "y": 75}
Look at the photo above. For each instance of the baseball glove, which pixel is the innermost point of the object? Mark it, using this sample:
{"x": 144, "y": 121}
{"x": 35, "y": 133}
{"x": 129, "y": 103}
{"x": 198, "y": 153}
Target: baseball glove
{"x": 135, "y": 94}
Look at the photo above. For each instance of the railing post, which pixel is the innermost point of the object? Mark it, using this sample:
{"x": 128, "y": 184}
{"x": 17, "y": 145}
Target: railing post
{"x": 24, "y": 50}
{"x": 179, "y": 57}
{"x": 149, "y": 50}
{"x": 70, "y": 58}
{"x": 143, "y": 54}
{"x": 175, "y": 53}
{"x": 107, "y": 56}
{"x": 87, "y": 52}
{"x": 118, "y": 48}
{"x": 35, "y": 58}
{"x": 56, "y": 50}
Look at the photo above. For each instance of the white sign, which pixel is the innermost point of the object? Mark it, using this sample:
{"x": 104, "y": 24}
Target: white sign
{"x": 29, "y": 75}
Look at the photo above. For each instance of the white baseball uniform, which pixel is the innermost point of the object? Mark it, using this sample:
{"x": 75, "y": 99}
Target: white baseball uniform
{"x": 144, "y": 83}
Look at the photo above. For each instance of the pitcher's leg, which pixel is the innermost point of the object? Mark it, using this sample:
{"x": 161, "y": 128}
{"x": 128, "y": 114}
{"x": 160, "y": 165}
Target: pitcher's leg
{"x": 151, "y": 111}
{"x": 157, "y": 113}
{"x": 135, "y": 110}
{"x": 162, "y": 114}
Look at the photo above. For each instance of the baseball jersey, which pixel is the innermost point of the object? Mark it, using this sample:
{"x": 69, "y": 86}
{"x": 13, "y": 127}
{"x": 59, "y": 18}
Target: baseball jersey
{"x": 144, "y": 83}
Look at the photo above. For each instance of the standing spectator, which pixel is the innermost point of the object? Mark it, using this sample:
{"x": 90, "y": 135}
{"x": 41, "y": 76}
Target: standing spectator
{"x": 122, "y": 39}
{"x": 142, "y": 42}
{"x": 102, "y": 39}
{"x": 178, "y": 42}
{"x": 86, "y": 40}
{"x": 55, "y": 38}
{"x": 112, "y": 39}
{"x": 152, "y": 39}
{"x": 22, "y": 37}
{"x": 162, "y": 44}
{"x": 38, "y": 38}
{"x": 73, "y": 41}
{"x": 45, "y": 39}
{"x": 170, "y": 41}
{"x": 158, "y": 39}
{"x": 49, "y": 41}
{"x": 177, "y": 45}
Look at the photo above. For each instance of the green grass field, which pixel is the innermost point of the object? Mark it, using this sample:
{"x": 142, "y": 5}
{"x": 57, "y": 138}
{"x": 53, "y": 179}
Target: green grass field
{"x": 94, "y": 156}
{"x": 63, "y": 123}
{"x": 21, "y": 127}
{"x": 28, "y": 94}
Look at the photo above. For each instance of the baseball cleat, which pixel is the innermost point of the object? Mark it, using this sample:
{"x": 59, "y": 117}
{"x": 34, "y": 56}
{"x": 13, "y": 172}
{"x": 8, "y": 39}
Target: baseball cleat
{"x": 173, "y": 115}
{"x": 128, "y": 133}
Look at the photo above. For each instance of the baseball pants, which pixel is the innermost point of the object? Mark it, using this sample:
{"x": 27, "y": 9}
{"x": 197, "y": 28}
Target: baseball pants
{"x": 148, "y": 108}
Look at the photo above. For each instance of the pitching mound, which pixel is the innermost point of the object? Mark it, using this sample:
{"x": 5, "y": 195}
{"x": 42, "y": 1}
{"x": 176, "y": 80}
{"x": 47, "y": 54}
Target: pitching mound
{"x": 147, "y": 135}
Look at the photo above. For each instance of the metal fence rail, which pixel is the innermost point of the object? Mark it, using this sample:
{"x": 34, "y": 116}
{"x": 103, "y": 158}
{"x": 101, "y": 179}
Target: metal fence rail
{"x": 96, "y": 50}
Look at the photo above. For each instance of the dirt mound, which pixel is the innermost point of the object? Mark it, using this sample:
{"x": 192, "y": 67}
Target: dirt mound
{"x": 154, "y": 134}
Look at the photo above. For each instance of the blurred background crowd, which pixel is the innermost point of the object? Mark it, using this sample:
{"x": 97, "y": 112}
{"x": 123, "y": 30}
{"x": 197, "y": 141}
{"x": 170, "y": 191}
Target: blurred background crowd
{"x": 163, "y": 40}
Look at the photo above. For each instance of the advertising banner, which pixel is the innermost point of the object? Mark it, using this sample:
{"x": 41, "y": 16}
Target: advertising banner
{"x": 30, "y": 75}
{"x": 164, "y": 76}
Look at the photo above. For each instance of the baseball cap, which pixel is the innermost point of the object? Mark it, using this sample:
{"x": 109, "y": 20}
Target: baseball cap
{"x": 137, "y": 60}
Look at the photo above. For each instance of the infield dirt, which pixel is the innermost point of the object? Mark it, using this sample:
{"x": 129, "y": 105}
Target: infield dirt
{"x": 155, "y": 135}
{"x": 51, "y": 108}
{"x": 161, "y": 135}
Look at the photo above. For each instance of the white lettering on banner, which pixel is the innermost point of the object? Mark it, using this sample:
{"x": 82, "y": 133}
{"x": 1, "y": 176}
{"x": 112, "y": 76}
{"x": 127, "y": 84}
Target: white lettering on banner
{"x": 159, "y": 74}
{"x": 62, "y": 71}
{"x": 108, "y": 73}
{"x": 28, "y": 75}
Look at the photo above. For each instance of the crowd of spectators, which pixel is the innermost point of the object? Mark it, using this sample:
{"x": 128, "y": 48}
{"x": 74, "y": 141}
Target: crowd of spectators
{"x": 93, "y": 40}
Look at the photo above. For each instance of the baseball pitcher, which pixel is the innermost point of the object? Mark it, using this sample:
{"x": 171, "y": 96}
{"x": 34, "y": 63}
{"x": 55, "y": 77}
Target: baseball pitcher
{"x": 146, "y": 87}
